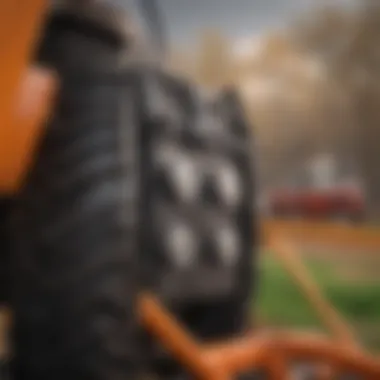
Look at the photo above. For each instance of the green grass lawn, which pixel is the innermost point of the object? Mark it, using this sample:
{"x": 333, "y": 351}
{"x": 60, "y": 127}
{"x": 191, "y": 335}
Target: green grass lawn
{"x": 281, "y": 303}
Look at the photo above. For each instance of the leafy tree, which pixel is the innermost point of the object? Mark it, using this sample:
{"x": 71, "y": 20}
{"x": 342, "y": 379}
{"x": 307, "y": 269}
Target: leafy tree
{"x": 348, "y": 42}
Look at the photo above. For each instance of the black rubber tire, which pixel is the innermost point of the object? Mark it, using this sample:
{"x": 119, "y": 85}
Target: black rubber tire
{"x": 74, "y": 262}
{"x": 231, "y": 316}
{"x": 223, "y": 317}
{"x": 5, "y": 208}
{"x": 74, "y": 226}
{"x": 74, "y": 239}
{"x": 74, "y": 45}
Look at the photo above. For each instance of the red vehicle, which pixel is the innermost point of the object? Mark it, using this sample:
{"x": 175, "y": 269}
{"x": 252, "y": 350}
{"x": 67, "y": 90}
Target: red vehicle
{"x": 337, "y": 204}
{"x": 311, "y": 196}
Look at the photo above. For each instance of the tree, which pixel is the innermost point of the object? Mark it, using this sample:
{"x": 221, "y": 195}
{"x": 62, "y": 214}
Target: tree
{"x": 214, "y": 62}
{"x": 348, "y": 41}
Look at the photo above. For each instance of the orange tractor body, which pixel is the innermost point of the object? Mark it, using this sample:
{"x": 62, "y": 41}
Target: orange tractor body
{"x": 26, "y": 91}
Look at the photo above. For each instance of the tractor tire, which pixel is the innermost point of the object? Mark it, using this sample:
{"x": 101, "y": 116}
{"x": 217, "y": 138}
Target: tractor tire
{"x": 75, "y": 45}
{"x": 231, "y": 316}
{"x": 74, "y": 224}
{"x": 175, "y": 109}
{"x": 74, "y": 270}
{"x": 81, "y": 248}
{"x": 5, "y": 207}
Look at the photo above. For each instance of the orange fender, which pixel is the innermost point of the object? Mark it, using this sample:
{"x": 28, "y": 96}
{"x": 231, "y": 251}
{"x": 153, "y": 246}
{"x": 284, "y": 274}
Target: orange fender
{"x": 24, "y": 93}
{"x": 20, "y": 135}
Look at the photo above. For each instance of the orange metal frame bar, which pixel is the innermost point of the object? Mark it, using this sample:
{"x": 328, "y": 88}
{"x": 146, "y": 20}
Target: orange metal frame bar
{"x": 224, "y": 361}
{"x": 25, "y": 93}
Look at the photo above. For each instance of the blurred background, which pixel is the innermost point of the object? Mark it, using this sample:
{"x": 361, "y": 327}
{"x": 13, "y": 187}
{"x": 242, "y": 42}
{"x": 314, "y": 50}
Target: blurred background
{"x": 308, "y": 72}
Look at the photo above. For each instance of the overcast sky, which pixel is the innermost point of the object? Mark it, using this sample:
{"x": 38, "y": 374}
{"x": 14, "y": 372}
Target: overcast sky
{"x": 237, "y": 18}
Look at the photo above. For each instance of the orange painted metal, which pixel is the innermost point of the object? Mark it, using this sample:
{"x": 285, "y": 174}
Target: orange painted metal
{"x": 175, "y": 338}
{"x": 270, "y": 351}
{"x": 21, "y": 134}
{"x": 23, "y": 91}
